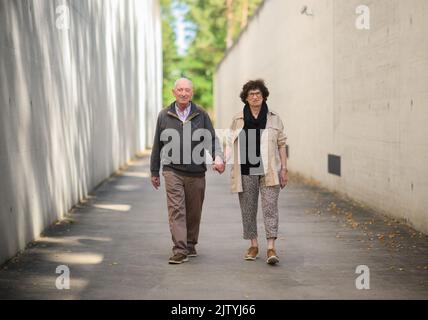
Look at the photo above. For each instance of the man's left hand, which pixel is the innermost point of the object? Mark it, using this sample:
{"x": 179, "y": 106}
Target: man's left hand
{"x": 219, "y": 165}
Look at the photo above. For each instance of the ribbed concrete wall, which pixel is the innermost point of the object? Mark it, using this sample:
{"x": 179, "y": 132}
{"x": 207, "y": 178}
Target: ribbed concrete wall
{"x": 358, "y": 94}
{"x": 75, "y": 104}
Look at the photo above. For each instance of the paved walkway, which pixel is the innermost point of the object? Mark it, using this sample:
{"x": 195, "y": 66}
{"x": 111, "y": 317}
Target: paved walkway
{"x": 118, "y": 243}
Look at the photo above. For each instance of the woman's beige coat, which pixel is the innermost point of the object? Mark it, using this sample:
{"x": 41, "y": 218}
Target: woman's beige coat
{"x": 272, "y": 139}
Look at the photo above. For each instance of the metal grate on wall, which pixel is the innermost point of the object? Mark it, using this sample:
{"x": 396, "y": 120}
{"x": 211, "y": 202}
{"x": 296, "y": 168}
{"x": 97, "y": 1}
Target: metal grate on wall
{"x": 334, "y": 164}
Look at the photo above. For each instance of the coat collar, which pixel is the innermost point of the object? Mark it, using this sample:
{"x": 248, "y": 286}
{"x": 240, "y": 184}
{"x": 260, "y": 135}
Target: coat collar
{"x": 193, "y": 109}
{"x": 240, "y": 114}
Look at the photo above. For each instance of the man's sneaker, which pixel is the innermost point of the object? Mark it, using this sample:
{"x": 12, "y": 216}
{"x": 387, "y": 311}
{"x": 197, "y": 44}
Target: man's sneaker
{"x": 192, "y": 253}
{"x": 272, "y": 258}
{"x": 178, "y": 258}
{"x": 252, "y": 253}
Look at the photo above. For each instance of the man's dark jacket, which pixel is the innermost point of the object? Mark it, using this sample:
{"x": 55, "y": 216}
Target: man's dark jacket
{"x": 168, "y": 119}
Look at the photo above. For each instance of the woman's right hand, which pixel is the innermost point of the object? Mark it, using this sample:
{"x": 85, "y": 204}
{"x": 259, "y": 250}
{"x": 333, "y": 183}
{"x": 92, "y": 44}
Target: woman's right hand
{"x": 219, "y": 165}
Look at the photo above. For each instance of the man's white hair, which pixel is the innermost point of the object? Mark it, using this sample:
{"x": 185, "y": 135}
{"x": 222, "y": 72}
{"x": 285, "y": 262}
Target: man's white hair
{"x": 183, "y": 79}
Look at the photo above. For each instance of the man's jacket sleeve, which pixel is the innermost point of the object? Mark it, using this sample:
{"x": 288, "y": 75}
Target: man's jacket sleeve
{"x": 156, "y": 150}
{"x": 216, "y": 147}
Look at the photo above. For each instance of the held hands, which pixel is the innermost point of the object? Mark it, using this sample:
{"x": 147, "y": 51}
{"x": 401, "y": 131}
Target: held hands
{"x": 156, "y": 182}
{"x": 283, "y": 178}
{"x": 218, "y": 165}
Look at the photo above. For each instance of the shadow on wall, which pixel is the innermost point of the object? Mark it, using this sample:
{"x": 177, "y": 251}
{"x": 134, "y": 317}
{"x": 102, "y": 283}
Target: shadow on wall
{"x": 69, "y": 107}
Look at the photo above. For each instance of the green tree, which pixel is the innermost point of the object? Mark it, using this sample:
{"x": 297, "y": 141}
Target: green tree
{"x": 169, "y": 51}
{"x": 211, "y": 22}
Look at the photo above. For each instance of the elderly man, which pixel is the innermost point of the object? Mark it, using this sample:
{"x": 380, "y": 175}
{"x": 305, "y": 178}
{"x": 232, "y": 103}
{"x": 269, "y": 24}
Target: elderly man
{"x": 183, "y": 132}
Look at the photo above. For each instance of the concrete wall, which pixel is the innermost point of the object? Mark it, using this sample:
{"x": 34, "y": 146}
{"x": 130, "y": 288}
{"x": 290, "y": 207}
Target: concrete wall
{"x": 75, "y": 104}
{"x": 358, "y": 94}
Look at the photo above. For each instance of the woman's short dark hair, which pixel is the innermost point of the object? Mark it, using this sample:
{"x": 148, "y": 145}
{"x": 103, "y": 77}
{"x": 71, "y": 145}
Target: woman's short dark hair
{"x": 254, "y": 85}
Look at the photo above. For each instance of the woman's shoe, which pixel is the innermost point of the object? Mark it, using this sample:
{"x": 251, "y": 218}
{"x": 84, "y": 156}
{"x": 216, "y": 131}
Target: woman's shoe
{"x": 251, "y": 254}
{"x": 272, "y": 258}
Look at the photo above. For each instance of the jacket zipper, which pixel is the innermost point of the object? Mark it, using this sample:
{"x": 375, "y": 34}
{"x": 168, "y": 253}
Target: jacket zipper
{"x": 191, "y": 117}
{"x": 188, "y": 119}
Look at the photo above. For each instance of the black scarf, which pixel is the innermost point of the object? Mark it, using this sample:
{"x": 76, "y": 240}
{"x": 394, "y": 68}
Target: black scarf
{"x": 253, "y": 123}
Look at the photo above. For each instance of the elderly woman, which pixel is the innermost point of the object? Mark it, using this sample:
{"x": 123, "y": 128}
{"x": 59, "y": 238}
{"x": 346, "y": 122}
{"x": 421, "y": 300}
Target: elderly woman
{"x": 257, "y": 145}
